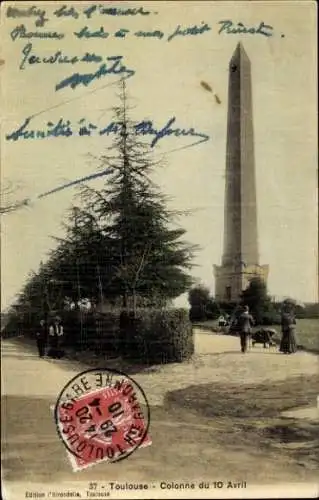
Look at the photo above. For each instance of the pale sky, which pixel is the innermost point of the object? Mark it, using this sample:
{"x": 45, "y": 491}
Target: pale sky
{"x": 166, "y": 83}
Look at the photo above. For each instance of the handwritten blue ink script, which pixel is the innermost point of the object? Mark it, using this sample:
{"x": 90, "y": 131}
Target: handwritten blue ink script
{"x": 28, "y": 201}
{"x": 64, "y": 128}
{"x": 44, "y": 35}
{"x": 229, "y": 28}
{"x": 113, "y": 66}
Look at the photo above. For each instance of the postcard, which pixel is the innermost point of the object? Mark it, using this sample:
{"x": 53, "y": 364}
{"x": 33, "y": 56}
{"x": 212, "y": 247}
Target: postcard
{"x": 159, "y": 206}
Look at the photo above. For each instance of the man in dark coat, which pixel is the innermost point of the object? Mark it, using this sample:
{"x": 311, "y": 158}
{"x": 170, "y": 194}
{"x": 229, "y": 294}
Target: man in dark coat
{"x": 41, "y": 337}
{"x": 55, "y": 339}
{"x": 245, "y": 322}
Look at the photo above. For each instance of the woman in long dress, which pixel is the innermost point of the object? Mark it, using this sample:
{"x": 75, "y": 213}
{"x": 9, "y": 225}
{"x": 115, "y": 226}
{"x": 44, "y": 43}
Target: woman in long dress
{"x": 288, "y": 344}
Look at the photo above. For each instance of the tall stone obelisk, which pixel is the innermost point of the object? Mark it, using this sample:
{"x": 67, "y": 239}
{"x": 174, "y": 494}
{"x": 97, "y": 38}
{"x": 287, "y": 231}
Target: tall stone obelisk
{"x": 240, "y": 261}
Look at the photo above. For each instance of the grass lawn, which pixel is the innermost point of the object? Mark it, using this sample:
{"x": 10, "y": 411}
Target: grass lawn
{"x": 307, "y": 332}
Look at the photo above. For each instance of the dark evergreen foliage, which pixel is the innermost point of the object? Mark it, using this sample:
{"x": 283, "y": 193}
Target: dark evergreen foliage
{"x": 259, "y": 303}
{"x": 122, "y": 247}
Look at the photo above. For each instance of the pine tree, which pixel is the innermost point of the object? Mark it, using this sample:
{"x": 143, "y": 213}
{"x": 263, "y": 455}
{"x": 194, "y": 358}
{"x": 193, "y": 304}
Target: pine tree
{"x": 121, "y": 243}
{"x": 82, "y": 260}
{"x": 150, "y": 261}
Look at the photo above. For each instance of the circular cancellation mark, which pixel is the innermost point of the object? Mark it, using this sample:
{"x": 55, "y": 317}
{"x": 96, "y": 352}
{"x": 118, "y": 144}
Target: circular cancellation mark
{"x": 102, "y": 415}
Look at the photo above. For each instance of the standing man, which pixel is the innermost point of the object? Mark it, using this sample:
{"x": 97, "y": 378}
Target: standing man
{"x": 41, "y": 337}
{"x": 245, "y": 322}
{"x": 55, "y": 335}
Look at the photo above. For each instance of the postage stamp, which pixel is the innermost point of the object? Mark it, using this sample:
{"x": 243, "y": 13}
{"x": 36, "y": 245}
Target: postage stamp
{"x": 102, "y": 415}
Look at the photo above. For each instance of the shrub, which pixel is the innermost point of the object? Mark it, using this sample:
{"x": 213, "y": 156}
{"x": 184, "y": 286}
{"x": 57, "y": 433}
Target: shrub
{"x": 20, "y": 324}
{"x": 148, "y": 336}
{"x": 198, "y": 296}
{"x": 159, "y": 336}
{"x": 197, "y": 313}
{"x": 212, "y": 310}
{"x": 270, "y": 318}
{"x": 129, "y": 328}
{"x": 107, "y": 333}
{"x": 71, "y": 322}
{"x": 94, "y": 331}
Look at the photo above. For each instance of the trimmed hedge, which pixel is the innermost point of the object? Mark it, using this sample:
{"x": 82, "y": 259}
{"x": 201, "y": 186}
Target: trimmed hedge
{"x": 149, "y": 336}
{"x": 97, "y": 332}
{"x": 197, "y": 313}
{"x": 158, "y": 336}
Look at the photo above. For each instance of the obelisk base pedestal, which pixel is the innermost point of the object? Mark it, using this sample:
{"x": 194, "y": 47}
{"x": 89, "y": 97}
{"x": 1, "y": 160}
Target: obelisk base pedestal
{"x": 231, "y": 280}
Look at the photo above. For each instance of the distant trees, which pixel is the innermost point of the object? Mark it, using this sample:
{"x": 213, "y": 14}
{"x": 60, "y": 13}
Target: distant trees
{"x": 264, "y": 310}
{"x": 310, "y": 310}
{"x": 198, "y": 296}
{"x": 202, "y": 305}
{"x": 259, "y": 302}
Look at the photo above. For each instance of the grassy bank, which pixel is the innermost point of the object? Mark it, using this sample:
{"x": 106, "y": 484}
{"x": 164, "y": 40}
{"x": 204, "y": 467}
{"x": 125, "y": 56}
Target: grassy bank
{"x": 308, "y": 333}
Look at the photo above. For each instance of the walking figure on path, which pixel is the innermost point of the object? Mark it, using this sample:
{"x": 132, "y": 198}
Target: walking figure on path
{"x": 245, "y": 322}
{"x": 41, "y": 337}
{"x": 288, "y": 344}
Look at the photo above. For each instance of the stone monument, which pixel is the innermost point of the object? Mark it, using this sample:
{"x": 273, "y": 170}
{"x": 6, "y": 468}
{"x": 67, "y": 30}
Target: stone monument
{"x": 240, "y": 261}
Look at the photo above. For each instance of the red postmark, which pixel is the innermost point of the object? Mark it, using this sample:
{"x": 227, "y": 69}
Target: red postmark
{"x": 102, "y": 424}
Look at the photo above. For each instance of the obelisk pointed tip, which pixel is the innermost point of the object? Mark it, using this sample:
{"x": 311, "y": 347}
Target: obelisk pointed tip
{"x": 239, "y": 52}
{"x": 240, "y": 48}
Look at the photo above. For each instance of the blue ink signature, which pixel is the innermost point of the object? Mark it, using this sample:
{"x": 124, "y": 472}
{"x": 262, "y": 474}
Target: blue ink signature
{"x": 116, "y": 68}
{"x": 229, "y": 28}
{"x": 64, "y": 128}
{"x": 193, "y": 30}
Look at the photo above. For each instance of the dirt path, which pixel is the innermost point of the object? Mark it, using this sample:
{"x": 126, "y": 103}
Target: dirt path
{"x": 218, "y": 358}
{"x": 188, "y": 444}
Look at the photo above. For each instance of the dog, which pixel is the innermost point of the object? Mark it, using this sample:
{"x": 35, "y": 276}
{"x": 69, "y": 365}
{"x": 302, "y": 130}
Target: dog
{"x": 264, "y": 336}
